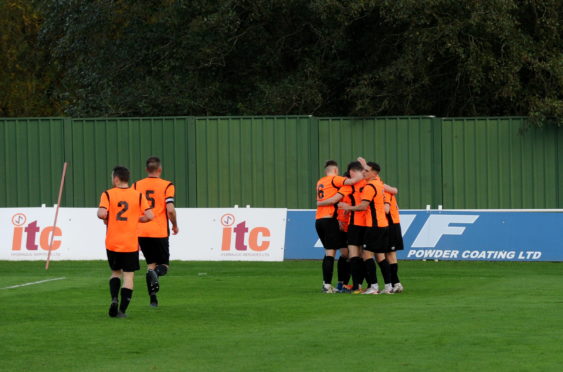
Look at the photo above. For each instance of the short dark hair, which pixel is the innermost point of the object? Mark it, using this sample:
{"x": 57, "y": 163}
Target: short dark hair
{"x": 374, "y": 166}
{"x": 331, "y": 163}
{"x": 122, "y": 173}
{"x": 153, "y": 163}
{"x": 355, "y": 165}
{"x": 347, "y": 174}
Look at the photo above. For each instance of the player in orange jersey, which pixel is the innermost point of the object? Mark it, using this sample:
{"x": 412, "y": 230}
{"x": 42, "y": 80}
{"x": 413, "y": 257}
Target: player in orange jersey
{"x": 381, "y": 258}
{"x": 122, "y": 209}
{"x": 376, "y": 239}
{"x": 153, "y": 236}
{"x": 343, "y": 218}
{"x": 395, "y": 243}
{"x": 326, "y": 224}
{"x": 357, "y": 226}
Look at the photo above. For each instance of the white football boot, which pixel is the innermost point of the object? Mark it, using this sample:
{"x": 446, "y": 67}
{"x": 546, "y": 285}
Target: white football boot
{"x": 327, "y": 288}
{"x": 398, "y": 288}
{"x": 388, "y": 289}
{"x": 371, "y": 290}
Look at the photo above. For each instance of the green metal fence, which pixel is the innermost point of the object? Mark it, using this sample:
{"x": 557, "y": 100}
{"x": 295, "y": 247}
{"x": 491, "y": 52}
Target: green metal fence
{"x": 95, "y": 146}
{"x": 257, "y": 161}
{"x": 405, "y": 147}
{"x": 275, "y": 161}
{"x": 31, "y": 158}
{"x": 491, "y": 163}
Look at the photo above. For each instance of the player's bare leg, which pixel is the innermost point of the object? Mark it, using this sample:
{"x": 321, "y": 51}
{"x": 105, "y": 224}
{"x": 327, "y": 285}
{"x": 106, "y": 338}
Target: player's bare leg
{"x": 128, "y": 279}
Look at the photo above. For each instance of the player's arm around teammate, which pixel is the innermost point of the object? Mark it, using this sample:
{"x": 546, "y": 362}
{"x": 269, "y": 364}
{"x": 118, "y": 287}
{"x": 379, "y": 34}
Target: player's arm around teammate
{"x": 388, "y": 189}
{"x": 356, "y": 227}
{"x": 376, "y": 222}
{"x": 349, "y": 222}
{"x": 338, "y": 197}
{"x": 386, "y": 260}
{"x": 343, "y": 217}
{"x": 326, "y": 222}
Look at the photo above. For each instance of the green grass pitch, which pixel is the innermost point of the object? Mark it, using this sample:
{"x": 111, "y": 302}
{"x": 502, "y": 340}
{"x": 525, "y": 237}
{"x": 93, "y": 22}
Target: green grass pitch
{"x": 235, "y": 316}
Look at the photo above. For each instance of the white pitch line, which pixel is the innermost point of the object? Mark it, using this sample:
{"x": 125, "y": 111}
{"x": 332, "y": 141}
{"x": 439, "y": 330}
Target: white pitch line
{"x": 32, "y": 283}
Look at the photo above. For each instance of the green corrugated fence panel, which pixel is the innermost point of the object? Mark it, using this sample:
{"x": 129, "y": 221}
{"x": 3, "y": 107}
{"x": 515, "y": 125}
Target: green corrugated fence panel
{"x": 257, "y": 161}
{"x": 491, "y": 163}
{"x": 403, "y": 146}
{"x": 31, "y": 158}
{"x": 97, "y": 145}
{"x": 275, "y": 161}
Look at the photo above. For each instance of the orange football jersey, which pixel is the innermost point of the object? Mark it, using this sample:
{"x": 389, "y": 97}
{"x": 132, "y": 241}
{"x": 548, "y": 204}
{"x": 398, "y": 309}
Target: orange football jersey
{"x": 158, "y": 193}
{"x": 373, "y": 193}
{"x": 327, "y": 187}
{"x": 124, "y": 207}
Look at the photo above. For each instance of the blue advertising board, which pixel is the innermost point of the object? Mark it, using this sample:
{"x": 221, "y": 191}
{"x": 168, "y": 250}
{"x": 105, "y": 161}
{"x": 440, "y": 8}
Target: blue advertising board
{"x": 479, "y": 235}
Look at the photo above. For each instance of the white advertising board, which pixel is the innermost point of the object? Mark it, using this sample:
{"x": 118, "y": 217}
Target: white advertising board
{"x": 235, "y": 234}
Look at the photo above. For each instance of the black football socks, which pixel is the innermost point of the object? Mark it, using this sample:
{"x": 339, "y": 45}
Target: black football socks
{"x": 394, "y": 273}
{"x": 328, "y": 268}
{"x": 385, "y": 271}
{"x": 370, "y": 272}
{"x": 356, "y": 268}
{"x": 343, "y": 270}
{"x": 126, "y": 295}
{"x": 114, "y": 285}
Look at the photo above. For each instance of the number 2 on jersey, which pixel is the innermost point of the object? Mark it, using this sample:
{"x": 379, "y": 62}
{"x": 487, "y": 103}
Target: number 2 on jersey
{"x": 125, "y": 206}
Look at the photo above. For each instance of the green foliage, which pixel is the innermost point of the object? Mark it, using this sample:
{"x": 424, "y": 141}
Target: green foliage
{"x": 468, "y": 58}
{"x": 319, "y": 57}
{"x": 26, "y": 79}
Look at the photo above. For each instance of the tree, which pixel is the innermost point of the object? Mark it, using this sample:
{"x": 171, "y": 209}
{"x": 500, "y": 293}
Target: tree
{"x": 25, "y": 77}
{"x": 318, "y": 57}
{"x": 468, "y": 58}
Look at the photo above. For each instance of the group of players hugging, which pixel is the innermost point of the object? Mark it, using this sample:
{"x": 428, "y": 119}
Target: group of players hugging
{"x": 358, "y": 214}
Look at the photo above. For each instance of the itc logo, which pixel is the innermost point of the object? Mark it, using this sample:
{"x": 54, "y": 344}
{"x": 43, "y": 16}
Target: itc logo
{"x": 256, "y": 236}
{"x": 32, "y": 230}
